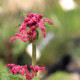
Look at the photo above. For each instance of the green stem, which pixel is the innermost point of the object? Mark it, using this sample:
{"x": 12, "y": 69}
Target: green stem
{"x": 34, "y": 53}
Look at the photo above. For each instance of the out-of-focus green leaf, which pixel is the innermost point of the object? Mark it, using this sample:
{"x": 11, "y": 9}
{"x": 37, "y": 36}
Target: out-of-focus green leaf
{"x": 36, "y": 78}
{"x": 18, "y": 25}
{"x": 14, "y": 77}
{"x": 37, "y": 34}
{"x": 4, "y": 74}
{"x": 24, "y": 14}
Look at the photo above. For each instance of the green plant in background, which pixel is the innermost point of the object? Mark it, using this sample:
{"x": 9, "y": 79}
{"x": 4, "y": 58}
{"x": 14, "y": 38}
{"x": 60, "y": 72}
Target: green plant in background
{"x": 64, "y": 34}
{"x": 60, "y": 76}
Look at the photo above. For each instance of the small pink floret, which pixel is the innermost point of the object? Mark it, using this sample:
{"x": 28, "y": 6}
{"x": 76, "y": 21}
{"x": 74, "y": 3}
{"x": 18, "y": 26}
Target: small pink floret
{"x": 36, "y": 68}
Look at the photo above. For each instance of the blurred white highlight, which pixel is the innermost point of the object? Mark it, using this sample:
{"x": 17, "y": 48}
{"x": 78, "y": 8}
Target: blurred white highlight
{"x": 29, "y": 51}
{"x": 67, "y": 4}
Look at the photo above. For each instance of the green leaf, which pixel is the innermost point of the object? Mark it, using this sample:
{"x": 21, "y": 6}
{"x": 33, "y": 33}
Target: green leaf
{"x": 37, "y": 78}
{"x": 37, "y": 34}
{"x": 47, "y": 24}
{"x": 28, "y": 28}
{"x": 4, "y": 74}
{"x": 30, "y": 42}
{"x": 15, "y": 77}
{"x": 24, "y": 14}
{"x": 18, "y": 25}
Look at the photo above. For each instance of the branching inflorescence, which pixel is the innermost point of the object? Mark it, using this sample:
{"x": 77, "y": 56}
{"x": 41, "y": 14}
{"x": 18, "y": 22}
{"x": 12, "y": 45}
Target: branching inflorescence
{"x": 24, "y": 70}
{"x": 31, "y": 22}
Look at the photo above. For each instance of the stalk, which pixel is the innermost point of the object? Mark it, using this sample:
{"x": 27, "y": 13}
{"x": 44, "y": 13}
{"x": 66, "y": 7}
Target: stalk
{"x": 34, "y": 53}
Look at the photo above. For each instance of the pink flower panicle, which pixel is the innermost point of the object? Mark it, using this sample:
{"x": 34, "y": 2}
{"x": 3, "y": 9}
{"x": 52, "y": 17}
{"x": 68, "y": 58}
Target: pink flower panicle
{"x": 10, "y": 65}
{"x": 32, "y": 21}
{"x": 36, "y": 68}
{"x": 24, "y": 70}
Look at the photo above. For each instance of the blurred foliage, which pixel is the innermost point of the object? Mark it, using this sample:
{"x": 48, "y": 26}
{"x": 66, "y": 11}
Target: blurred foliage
{"x": 65, "y": 34}
{"x": 6, "y": 76}
{"x": 2, "y": 66}
{"x": 59, "y": 76}
{"x": 66, "y": 31}
{"x": 67, "y": 38}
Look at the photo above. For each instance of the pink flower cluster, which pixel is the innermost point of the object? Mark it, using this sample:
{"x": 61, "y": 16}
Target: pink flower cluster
{"x": 24, "y": 70}
{"x": 32, "y": 21}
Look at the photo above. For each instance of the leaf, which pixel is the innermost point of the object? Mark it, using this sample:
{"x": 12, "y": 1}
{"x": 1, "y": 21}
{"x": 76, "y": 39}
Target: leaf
{"x": 30, "y": 42}
{"x": 47, "y": 24}
{"x": 36, "y": 78}
{"x": 18, "y": 25}
{"x": 4, "y": 74}
{"x": 15, "y": 77}
{"x": 37, "y": 34}
{"x": 28, "y": 28}
{"x": 24, "y": 14}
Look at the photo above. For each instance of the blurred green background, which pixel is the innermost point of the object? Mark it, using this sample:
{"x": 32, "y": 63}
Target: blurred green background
{"x": 66, "y": 29}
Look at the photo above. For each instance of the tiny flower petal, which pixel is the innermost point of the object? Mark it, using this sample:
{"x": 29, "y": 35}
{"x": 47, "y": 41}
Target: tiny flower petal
{"x": 14, "y": 38}
{"x": 41, "y": 25}
{"x": 10, "y": 65}
{"x": 22, "y": 71}
{"x": 47, "y": 20}
{"x": 36, "y": 68}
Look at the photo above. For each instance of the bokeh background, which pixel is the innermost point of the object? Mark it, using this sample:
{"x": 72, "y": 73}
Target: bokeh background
{"x": 63, "y": 37}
